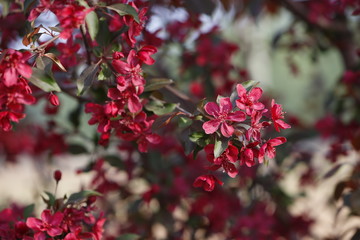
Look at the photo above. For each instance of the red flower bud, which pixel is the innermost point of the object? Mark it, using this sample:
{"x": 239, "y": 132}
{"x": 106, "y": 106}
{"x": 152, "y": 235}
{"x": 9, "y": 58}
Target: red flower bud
{"x": 91, "y": 200}
{"x": 54, "y": 100}
{"x": 57, "y": 175}
{"x": 117, "y": 55}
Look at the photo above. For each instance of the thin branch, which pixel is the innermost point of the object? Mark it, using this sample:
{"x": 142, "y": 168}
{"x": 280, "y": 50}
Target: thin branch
{"x": 87, "y": 47}
{"x": 47, "y": 43}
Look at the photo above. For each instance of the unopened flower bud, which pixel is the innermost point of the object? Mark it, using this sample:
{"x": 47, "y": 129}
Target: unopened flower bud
{"x": 54, "y": 100}
{"x": 117, "y": 55}
{"x": 57, "y": 175}
{"x": 91, "y": 200}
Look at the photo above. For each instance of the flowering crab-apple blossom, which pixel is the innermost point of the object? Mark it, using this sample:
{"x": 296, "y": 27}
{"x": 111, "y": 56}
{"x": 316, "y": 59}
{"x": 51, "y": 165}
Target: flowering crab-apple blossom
{"x": 161, "y": 152}
{"x": 223, "y": 117}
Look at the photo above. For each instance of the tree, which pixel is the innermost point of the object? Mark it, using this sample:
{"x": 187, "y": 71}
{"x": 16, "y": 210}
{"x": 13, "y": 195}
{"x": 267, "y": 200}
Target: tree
{"x": 169, "y": 107}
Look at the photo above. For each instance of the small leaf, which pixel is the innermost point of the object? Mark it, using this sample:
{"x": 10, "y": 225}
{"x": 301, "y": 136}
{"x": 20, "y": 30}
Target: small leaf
{"x": 80, "y": 196}
{"x": 76, "y": 148}
{"x": 125, "y": 9}
{"x": 200, "y": 138}
{"x": 249, "y": 84}
{"x": 160, "y": 108}
{"x": 339, "y": 189}
{"x": 86, "y": 78}
{"x": 27, "y": 5}
{"x": 114, "y": 161}
{"x": 28, "y": 211}
{"x": 92, "y": 23}
{"x": 333, "y": 170}
{"x": 128, "y": 236}
{"x": 185, "y": 122}
{"x": 157, "y": 83}
{"x": 51, "y": 199}
{"x": 105, "y": 72}
{"x": 28, "y": 38}
{"x": 195, "y": 136}
{"x": 56, "y": 29}
{"x": 55, "y": 60}
{"x": 220, "y": 147}
{"x": 43, "y": 80}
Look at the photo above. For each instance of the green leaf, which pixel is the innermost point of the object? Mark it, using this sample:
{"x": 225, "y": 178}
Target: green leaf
{"x": 76, "y": 148}
{"x": 27, "y": 5}
{"x": 105, "y": 72}
{"x": 195, "y": 136}
{"x": 114, "y": 161}
{"x": 184, "y": 122}
{"x": 125, "y": 9}
{"x": 92, "y": 23}
{"x": 43, "y": 80}
{"x": 28, "y": 211}
{"x": 80, "y": 196}
{"x": 160, "y": 108}
{"x": 51, "y": 199}
{"x": 128, "y": 236}
{"x": 200, "y": 138}
{"x": 87, "y": 78}
{"x": 157, "y": 83}
{"x": 220, "y": 146}
{"x": 249, "y": 84}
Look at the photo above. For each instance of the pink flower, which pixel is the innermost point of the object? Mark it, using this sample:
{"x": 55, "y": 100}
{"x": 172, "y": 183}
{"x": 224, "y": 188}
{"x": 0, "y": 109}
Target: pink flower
{"x": 144, "y": 54}
{"x": 207, "y": 182}
{"x": 223, "y": 116}
{"x": 277, "y": 114}
{"x": 249, "y": 101}
{"x": 48, "y": 223}
{"x": 225, "y": 160}
{"x": 131, "y": 69}
{"x": 268, "y": 148}
{"x": 13, "y": 64}
{"x": 255, "y": 130}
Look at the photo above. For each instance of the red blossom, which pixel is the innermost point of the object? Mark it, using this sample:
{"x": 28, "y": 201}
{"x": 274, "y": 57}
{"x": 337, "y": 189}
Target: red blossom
{"x": 130, "y": 69}
{"x": 277, "y": 114}
{"x": 207, "y": 182}
{"x": 249, "y": 101}
{"x": 223, "y": 117}
{"x": 225, "y": 160}
{"x": 54, "y": 99}
{"x": 48, "y": 223}
{"x": 144, "y": 54}
{"x": 268, "y": 148}
{"x": 12, "y": 65}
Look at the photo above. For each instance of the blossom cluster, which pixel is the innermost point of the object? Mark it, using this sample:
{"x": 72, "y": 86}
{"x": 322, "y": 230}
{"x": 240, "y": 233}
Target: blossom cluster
{"x": 69, "y": 13}
{"x": 70, "y": 219}
{"x": 14, "y": 88}
{"x": 124, "y": 114}
{"x": 241, "y": 128}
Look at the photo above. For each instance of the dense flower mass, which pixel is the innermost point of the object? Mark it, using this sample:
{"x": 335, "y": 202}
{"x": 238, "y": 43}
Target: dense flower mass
{"x": 164, "y": 158}
{"x": 248, "y": 141}
{"x": 14, "y": 89}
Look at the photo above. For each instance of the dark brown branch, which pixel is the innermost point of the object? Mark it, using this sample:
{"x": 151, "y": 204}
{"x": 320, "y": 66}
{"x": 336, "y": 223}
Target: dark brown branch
{"x": 87, "y": 47}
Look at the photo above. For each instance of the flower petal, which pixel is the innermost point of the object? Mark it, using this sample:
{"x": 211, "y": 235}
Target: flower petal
{"x": 226, "y": 130}
{"x": 240, "y": 90}
{"x": 255, "y": 93}
{"x": 211, "y": 126}
{"x": 212, "y": 109}
{"x": 237, "y": 116}
{"x": 225, "y": 105}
